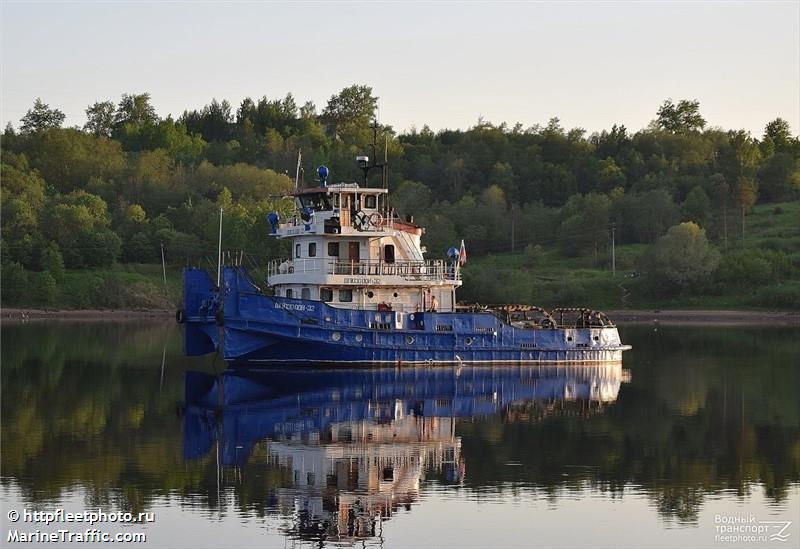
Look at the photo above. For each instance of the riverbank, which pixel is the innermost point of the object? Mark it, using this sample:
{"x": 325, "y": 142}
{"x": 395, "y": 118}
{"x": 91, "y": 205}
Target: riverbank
{"x": 626, "y": 316}
{"x": 705, "y": 317}
{"x": 23, "y": 314}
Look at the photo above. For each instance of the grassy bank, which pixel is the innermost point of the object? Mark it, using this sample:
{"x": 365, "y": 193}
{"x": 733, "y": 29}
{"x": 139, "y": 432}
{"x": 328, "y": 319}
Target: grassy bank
{"x": 545, "y": 277}
{"x": 123, "y": 286}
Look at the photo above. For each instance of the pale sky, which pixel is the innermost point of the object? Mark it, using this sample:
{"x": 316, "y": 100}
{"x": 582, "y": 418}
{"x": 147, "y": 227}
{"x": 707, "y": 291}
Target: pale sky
{"x": 442, "y": 64}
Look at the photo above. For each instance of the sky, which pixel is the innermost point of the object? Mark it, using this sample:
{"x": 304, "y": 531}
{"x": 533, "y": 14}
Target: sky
{"x": 446, "y": 65}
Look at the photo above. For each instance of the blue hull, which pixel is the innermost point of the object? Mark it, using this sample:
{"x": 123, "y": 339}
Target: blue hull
{"x": 256, "y": 329}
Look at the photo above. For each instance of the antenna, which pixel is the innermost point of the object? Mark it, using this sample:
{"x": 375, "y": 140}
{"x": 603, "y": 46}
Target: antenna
{"x": 364, "y": 161}
{"x": 297, "y": 173}
{"x": 386, "y": 160}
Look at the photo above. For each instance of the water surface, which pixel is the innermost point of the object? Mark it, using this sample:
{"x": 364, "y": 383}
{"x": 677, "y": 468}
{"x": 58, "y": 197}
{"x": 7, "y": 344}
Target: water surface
{"x": 698, "y": 425}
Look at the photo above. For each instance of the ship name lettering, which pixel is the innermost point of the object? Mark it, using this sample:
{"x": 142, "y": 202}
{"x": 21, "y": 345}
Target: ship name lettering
{"x": 362, "y": 281}
{"x": 295, "y": 307}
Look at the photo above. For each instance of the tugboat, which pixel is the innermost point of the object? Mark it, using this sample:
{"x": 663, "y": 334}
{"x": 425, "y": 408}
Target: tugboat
{"x": 359, "y": 290}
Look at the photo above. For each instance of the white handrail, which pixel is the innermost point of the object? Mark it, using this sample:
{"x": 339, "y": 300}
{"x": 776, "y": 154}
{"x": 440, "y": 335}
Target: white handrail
{"x": 409, "y": 270}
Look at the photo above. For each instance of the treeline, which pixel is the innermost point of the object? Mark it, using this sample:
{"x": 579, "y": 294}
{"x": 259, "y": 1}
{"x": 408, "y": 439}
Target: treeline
{"x": 128, "y": 181}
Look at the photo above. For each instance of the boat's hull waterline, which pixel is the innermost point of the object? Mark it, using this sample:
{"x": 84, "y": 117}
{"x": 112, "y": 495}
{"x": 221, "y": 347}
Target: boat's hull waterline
{"x": 250, "y": 328}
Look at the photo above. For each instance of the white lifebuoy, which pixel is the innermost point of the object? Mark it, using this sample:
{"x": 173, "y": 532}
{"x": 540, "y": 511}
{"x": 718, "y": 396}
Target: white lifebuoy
{"x": 376, "y": 219}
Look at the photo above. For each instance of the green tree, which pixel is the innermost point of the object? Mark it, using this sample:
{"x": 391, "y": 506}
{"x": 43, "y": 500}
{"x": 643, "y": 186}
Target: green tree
{"x": 611, "y": 175}
{"x": 683, "y": 117}
{"x": 41, "y": 117}
{"x": 684, "y": 257}
{"x": 79, "y": 223}
{"x": 51, "y": 260}
{"x": 350, "y": 111}
{"x": 135, "y": 109}
{"x": 14, "y": 282}
{"x": 139, "y": 249}
{"x": 778, "y": 137}
{"x": 779, "y": 177}
{"x": 100, "y": 118}
{"x": 69, "y": 158}
{"x": 585, "y": 227}
{"x": 411, "y": 198}
{"x": 697, "y": 206}
{"x": 43, "y": 288}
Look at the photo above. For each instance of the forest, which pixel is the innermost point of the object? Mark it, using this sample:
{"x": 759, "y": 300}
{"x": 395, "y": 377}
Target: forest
{"x": 696, "y": 213}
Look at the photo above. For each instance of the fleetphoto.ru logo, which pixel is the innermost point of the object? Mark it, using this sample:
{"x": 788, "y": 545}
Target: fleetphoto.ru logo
{"x": 748, "y": 529}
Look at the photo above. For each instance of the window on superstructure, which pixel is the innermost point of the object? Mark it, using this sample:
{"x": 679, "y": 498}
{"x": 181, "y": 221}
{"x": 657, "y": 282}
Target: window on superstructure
{"x": 388, "y": 253}
{"x": 288, "y": 292}
{"x": 305, "y": 293}
{"x": 326, "y": 295}
{"x": 346, "y": 296}
{"x": 333, "y": 249}
{"x": 370, "y": 201}
{"x": 312, "y": 249}
{"x": 297, "y": 250}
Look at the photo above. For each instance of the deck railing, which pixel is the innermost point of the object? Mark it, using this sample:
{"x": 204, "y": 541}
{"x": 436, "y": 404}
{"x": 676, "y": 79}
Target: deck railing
{"x": 408, "y": 270}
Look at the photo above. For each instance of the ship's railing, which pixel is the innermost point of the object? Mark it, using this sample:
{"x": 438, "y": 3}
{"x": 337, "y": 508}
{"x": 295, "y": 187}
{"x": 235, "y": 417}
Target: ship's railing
{"x": 408, "y": 270}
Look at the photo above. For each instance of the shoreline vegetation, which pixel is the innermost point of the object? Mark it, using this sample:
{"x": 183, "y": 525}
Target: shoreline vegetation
{"x": 680, "y": 215}
{"x": 624, "y": 316}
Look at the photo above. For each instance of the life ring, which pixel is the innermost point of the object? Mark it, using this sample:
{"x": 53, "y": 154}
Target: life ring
{"x": 376, "y": 219}
{"x": 361, "y": 220}
{"x": 180, "y": 316}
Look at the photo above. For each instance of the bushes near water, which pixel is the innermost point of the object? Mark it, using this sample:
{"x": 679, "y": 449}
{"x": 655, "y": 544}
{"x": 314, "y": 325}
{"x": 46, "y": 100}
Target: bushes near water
{"x": 133, "y": 288}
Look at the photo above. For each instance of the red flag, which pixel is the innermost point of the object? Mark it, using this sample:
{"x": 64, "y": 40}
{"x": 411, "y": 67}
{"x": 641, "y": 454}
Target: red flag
{"x": 462, "y": 254}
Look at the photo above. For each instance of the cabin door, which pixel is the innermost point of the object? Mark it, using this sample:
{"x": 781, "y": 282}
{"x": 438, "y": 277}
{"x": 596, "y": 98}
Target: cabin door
{"x": 354, "y": 252}
{"x": 344, "y": 210}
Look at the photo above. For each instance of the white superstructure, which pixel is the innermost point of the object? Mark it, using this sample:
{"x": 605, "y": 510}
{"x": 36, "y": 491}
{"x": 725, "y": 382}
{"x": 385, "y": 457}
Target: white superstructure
{"x": 350, "y": 250}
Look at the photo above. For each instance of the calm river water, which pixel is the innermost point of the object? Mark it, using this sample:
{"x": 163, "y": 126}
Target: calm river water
{"x": 696, "y": 432}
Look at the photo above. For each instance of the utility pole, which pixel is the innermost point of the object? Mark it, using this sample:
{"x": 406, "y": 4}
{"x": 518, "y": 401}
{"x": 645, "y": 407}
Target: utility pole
{"x": 163, "y": 264}
{"x": 219, "y": 253}
{"x": 613, "y": 250}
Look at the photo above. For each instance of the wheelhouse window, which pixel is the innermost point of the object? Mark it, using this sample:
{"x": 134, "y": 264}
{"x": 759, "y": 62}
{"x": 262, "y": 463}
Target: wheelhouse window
{"x": 370, "y": 201}
{"x": 326, "y": 295}
{"x": 333, "y": 249}
{"x": 312, "y": 249}
{"x": 346, "y": 296}
{"x": 320, "y": 202}
{"x": 297, "y": 250}
{"x": 305, "y": 293}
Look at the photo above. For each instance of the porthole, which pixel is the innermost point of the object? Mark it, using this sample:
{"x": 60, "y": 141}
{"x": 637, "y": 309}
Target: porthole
{"x": 468, "y": 340}
{"x": 411, "y": 316}
{"x": 395, "y": 294}
{"x": 336, "y": 336}
{"x": 359, "y": 337}
{"x": 370, "y": 294}
{"x": 409, "y": 339}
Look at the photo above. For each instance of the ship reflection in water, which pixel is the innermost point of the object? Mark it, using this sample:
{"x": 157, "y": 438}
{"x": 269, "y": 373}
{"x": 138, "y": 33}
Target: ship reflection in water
{"x": 356, "y": 444}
